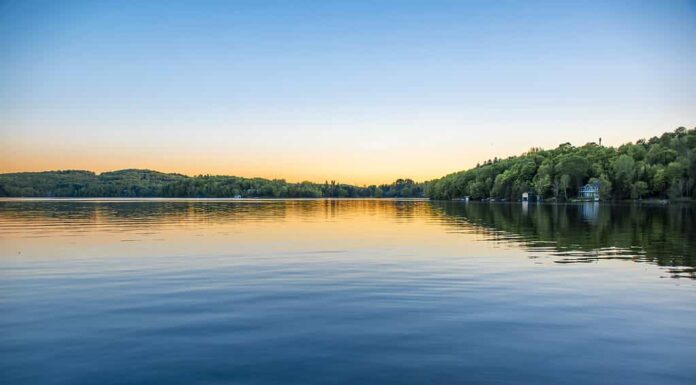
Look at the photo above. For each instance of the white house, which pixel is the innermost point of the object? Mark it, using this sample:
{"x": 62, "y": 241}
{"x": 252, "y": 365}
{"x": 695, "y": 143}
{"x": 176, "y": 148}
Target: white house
{"x": 590, "y": 191}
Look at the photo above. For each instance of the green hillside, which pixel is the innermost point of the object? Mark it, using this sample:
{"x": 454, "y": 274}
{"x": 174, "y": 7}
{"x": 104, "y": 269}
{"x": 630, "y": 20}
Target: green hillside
{"x": 147, "y": 183}
{"x": 660, "y": 167}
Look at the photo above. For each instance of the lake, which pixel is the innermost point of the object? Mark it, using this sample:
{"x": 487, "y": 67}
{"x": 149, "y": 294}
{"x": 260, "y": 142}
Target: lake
{"x": 346, "y": 292}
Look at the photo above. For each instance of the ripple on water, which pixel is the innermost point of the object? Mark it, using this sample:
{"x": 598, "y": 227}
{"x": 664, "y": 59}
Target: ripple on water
{"x": 365, "y": 291}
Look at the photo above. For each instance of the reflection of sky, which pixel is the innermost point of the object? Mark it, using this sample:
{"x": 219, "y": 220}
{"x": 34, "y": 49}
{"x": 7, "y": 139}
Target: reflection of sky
{"x": 321, "y": 292}
{"x": 293, "y": 227}
{"x": 369, "y": 230}
{"x": 353, "y": 91}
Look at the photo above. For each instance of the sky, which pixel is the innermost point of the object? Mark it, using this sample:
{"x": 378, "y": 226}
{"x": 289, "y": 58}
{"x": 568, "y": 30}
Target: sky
{"x": 355, "y": 91}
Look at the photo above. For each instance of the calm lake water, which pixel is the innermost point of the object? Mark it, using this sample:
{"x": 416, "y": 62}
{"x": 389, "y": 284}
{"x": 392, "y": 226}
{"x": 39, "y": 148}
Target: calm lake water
{"x": 346, "y": 292}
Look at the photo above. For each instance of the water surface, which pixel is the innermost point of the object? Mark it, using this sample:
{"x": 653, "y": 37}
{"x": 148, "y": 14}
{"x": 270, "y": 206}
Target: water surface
{"x": 345, "y": 292}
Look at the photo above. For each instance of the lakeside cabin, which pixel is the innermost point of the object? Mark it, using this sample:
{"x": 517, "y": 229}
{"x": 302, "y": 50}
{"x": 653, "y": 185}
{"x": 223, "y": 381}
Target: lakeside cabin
{"x": 590, "y": 191}
{"x": 528, "y": 197}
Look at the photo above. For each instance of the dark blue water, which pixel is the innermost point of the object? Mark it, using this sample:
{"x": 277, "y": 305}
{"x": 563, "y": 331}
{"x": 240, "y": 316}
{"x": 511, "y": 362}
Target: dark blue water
{"x": 345, "y": 292}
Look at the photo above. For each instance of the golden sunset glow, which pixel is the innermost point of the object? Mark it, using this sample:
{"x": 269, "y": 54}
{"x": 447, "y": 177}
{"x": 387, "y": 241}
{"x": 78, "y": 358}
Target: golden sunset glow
{"x": 372, "y": 159}
{"x": 370, "y": 94}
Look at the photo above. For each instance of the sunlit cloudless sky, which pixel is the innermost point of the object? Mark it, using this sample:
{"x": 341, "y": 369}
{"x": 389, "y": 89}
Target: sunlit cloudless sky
{"x": 356, "y": 91}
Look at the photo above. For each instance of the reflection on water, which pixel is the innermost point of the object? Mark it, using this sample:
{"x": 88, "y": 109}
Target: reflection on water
{"x": 586, "y": 232}
{"x": 574, "y": 233}
{"x": 345, "y": 291}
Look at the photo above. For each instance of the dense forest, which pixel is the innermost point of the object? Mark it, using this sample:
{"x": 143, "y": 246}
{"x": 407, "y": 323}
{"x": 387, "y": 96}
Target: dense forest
{"x": 147, "y": 183}
{"x": 661, "y": 167}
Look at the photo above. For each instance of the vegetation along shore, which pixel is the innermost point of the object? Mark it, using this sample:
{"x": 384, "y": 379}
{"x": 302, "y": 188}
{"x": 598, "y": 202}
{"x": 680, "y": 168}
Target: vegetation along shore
{"x": 661, "y": 167}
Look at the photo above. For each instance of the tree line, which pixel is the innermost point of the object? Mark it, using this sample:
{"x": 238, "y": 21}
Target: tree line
{"x": 148, "y": 183}
{"x": 661, "y": 167}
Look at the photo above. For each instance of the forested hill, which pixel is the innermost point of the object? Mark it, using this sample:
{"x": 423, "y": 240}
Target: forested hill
{"x": 660, "y": 167}
{"x": 147, "y": 183}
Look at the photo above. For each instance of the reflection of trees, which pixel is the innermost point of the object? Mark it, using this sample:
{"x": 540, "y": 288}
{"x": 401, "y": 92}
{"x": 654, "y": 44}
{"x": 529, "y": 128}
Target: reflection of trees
{"x": 209, "y": 211}
{"x": 573, "y": 232}
{"x": 580, "y": 232}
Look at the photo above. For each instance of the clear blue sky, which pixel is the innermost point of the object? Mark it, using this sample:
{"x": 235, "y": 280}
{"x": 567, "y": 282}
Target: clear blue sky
{"x": 351, "y": 90}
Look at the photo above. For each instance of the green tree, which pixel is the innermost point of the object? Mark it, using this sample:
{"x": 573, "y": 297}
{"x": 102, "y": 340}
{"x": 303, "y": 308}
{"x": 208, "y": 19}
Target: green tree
{"x": 542, "y": 185}
{"x": 639, "y": 189}
{"x": 565, "y": 183}
{"x": 623, "y": 175}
